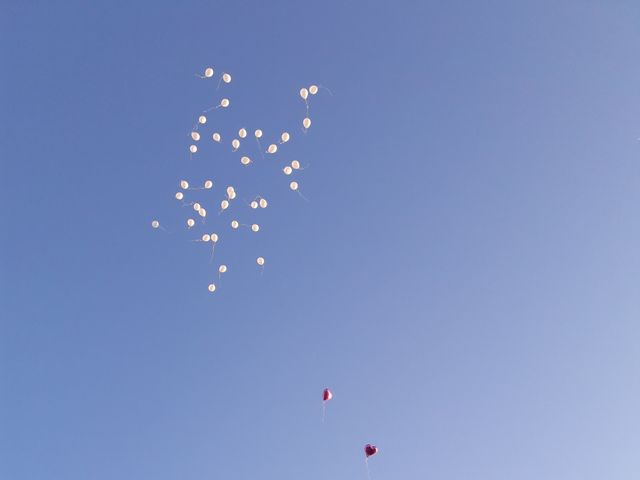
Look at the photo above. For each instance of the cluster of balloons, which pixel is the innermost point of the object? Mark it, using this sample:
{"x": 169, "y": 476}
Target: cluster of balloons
{"x": 188, "y": 195}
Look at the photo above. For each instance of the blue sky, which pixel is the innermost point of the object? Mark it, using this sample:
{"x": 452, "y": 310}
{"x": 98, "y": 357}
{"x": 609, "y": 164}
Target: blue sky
{"x": 465, "y": 276}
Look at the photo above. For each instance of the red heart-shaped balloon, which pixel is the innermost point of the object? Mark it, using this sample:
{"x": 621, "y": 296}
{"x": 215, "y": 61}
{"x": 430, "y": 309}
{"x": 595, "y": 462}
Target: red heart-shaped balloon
{"x": 370, "y": 450}
{"x": 327, "y": 395}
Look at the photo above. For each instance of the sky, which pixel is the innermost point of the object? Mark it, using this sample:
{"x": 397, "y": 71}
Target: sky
{"x": 464, "y": 275}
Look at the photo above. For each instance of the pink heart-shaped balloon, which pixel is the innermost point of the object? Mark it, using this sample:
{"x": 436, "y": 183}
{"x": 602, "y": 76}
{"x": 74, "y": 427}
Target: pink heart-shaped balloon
{"x": 370, "y": 450}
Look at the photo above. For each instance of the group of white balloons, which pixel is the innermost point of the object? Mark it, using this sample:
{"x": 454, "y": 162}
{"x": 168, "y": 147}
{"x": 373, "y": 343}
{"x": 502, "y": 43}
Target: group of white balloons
{"x": 258, "y": 202}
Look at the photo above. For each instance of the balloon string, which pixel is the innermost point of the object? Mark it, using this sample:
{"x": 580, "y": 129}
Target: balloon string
{"x": 213, "y": 250}
{"x": 324, "y": 408}
{"x": 212, "y": 108}
{"x": 303, "y": 197}
{"x": 325, "y": 88}
{"x": 260, "y": 148}
{"x": 366, "y": 462}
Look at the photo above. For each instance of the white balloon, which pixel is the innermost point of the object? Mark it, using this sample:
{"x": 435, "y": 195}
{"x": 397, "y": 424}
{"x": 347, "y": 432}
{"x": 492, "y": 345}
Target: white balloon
{"x": 234, "y": 224}
{"x": 287, "y": 170}
{"x": 212, "y": 287}
{"x": 232, "y": 195}
{"x": 184, "y": 184}
{"x": 263, "y": 203}
{"x": 235, "y": 143}
{"x": 214, "y": 237}
{"x": 191, "y": 222}
{"x": 260, "y": 261}
{"x": 226, "y": 78}
{"x": 216, "y": 137}
{"x": 284, "y": 137}
{"x": 224, "y": 204}
{"x": 242, "y": 133}
{"x": 224, "y": 103}
{"x": 273, "y": 148}
{"x": 304, "y": 93}
{"x": 254, "y": 204}
{"x": 208, "y": 72}
{"x": 206, "y": 237}
{"x": 202, "y": 212}
{"x": 255, "y": 227}
{"x": 208, "y": 184}
{"x": 313, "y": 89}
{"x": 179, "y": 196}
{"x": 245, "y": 160}
{"x": 193, "y": 149}
{"x": 230, "y": 190}
{"x": 195, "y": 136}
{"x": 155, "y": 224}
{"x": 202, "y": 119}
{"x": 222, "y": 268}
{"x": 258, "y": 133}
{"x": 306, "y": 123}
{"x": 293, "y": 185}
{"x": 196, "y": 206}
{"x": 295, "y": 164}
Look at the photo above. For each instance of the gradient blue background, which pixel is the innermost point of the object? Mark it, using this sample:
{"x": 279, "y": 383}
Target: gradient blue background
{"x": 465, "y": 277}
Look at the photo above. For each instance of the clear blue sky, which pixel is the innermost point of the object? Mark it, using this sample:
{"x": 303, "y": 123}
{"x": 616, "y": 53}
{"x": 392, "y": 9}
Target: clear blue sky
{"x": 466, "y": 276}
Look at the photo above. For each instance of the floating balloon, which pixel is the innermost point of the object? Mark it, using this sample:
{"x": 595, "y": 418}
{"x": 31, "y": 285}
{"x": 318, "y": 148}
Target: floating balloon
{"x": 184, "y": 184}
{"x": 326, "y": 395}
{"x": 216, "y": 137}
{"x": 313, "y": 89}
{"x": 293, "y": 186}
{"x": 214, "y": 237}
{"x": 193, "y": 149}
{"x": 196, "y": 206}
{"x": 295, "y": 164}
{"x": 212, "y": 287}
{"x": 202, "y": 212}
{"x": 273, "y": 148}
{"x": 191, "y": 222}
{"x": 255, "y": 227}
{"x": 284, "y": 138}
{"x": 234, "y": 224}
{"x": 258, "y": 133}
{"x": 155, "y": 224}
{"x": 287, "y": 170}
{"x": 222, "y": 268}
{"x": 254, "y": 204}
{"x": 206, "y": 237}
{"x": 195, "y": 136}
{"x": 202, "y": 119}
{"x": 208, "y": 184}
{"x": 304, "y": 93}
{"x": 208, "y": 72}
{"x": 232, "y": 195}
{"x": 306, "y": 123}
{"x": 242, "y": 133}
{"x": 179, "y": 196}
{"x": 226, "y": 78}
{"x": 224, "y": 204}
{"x": 370, "y": 450}
{"x": 235, "y": 143}
{"x": 260, "y": 261}
{"x": 245, "y": 160}
{"x": 224, "y": 103}
{"x": 263, "y": 203}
